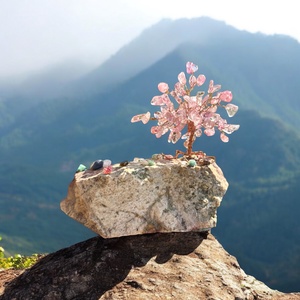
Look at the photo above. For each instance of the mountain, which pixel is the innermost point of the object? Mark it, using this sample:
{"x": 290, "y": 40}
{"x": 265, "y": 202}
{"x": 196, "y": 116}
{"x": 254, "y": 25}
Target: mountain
{"x": 50, "y": 82}
{"x": 269, "y": 62}
{"x": 150, "y": 46}
{"x": 43, "y": 142}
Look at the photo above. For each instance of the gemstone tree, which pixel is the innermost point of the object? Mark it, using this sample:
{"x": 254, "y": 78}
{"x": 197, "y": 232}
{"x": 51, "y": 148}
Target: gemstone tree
{"x": 197, "y": 113}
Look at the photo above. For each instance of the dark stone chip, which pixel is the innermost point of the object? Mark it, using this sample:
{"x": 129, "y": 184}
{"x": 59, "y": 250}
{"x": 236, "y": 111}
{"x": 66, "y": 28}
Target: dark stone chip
{"x": 124, "y": 163}
{"x": 96, "y": 165}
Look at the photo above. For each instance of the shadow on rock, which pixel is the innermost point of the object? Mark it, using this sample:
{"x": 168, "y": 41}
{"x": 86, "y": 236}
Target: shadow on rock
{"x": 90, "y": 268}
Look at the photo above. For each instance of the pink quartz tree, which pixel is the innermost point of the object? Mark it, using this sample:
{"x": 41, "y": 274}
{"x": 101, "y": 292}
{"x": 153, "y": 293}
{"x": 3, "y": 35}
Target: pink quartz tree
{"x": 198, "y": 113}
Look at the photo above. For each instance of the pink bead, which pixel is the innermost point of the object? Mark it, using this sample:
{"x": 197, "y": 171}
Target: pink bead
{"x": 191, "y": 67}
{"x": 163, "y": 87}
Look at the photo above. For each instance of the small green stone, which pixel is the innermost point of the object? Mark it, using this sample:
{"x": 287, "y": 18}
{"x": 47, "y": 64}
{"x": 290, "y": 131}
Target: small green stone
{"x": 81, "y": 168}
{"x": 151, "y": 163}
{"x": 192, "y": 163}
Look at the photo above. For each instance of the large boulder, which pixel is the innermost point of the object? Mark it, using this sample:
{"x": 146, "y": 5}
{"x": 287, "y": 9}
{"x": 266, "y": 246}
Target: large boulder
{"x": 154, "y": 266}
{"x": 147, "y": 196}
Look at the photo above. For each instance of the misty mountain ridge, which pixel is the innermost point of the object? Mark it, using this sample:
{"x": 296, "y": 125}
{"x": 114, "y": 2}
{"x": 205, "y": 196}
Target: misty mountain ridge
{"x": 159, "y": 40}
{"x": 200, "y": 40}
{"x": 44, "y": 84}
{"x": 42, "y": 144}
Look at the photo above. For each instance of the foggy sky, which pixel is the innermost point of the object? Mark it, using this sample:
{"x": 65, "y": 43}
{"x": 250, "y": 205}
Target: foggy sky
{"x": 35, "y": 34}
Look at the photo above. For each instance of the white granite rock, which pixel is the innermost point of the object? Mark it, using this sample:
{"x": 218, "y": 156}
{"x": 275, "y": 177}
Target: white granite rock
{"x": 140, "y": 198}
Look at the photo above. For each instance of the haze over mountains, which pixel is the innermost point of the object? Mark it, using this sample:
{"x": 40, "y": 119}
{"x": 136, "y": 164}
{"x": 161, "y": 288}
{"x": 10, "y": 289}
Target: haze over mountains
{"x": 50, "y": 126}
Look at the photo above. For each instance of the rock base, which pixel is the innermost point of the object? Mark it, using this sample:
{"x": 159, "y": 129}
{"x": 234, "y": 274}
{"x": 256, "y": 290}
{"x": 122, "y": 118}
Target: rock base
{"x": 154, "y": 266}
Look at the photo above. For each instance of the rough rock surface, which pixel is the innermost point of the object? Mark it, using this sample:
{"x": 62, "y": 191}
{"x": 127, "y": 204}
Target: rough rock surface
{"x": 140, "y": 198}
{"x": 181, "y": 266}
{"x": 6, "y": 276}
